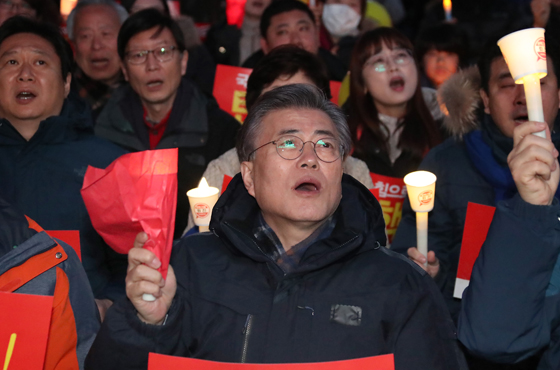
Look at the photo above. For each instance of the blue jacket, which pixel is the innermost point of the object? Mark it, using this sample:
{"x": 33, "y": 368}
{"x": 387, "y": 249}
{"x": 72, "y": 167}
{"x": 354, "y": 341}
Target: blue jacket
{"x": 43, "y": 178}
{"x": 511, "y": 309}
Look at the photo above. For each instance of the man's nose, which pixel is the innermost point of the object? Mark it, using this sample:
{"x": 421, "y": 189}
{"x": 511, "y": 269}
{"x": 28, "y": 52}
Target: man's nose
{"x": 295, "y": 39}
{"x": 520, "y": 95}
{"x": 308, "y": 157}
{"x": 151, "y": 62}
{"x": 25, "y": 73}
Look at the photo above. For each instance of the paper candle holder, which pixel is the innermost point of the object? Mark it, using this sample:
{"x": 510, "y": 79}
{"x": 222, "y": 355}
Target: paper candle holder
{"x": 202, "y": 200}
{"x": 525, "y": 53}
{"x": 421, "y": 187}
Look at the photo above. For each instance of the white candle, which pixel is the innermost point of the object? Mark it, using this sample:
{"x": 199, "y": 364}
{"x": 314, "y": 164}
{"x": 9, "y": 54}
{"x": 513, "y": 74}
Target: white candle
{"x": 447, "y": 7}
{"x": 421, "y": 186}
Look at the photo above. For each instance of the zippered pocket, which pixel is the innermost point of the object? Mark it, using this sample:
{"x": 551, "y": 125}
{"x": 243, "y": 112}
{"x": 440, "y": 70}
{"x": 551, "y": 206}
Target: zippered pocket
{"x": 246, "y": 335}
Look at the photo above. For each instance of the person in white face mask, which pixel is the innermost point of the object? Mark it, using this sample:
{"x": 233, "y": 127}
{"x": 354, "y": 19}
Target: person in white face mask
{"x": 342, "y": 22}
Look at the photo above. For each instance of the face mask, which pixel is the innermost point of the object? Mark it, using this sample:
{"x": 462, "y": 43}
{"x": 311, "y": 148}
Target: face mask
{"x": 340, "y": 20}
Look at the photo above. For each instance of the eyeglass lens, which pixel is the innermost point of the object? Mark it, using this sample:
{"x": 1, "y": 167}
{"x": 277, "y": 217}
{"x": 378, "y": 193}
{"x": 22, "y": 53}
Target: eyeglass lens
{"x": 291, "y": 147}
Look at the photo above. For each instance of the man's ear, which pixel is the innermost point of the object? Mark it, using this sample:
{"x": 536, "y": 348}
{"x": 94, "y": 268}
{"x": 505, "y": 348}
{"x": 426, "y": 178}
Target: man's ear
{"x": 124, "y": 71}
{"x": 264, "y": 46}
{"x": 184, "y": 61}
{"x": 247, "y": 175}
{"x": 485, "y": 100}
{"x": 67, "y": 84}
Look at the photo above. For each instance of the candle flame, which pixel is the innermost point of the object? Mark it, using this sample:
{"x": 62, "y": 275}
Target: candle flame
{"x": 203, "y": 184}
{"x": 66, "y": 7}
{"x": 447, "y": 5}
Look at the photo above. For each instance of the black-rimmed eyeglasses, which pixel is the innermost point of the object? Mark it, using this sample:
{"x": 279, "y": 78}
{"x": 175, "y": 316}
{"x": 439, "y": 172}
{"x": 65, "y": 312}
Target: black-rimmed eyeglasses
{"x": 327, "y": 149}
{"x": 163, "y": 54}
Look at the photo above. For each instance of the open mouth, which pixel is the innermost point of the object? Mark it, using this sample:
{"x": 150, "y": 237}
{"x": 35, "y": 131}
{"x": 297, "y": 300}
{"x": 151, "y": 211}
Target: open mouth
{"x": 521, "y": 119}
{"x": 25, "y": 95}
{"x": 396, "y": 83}
{"x": 154, "y": 83}
{"x": 308, "y": 186}
{"x": 99, "y": 62}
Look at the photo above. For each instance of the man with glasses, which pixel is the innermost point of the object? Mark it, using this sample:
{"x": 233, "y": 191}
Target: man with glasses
{"x": 9, "y": 8}
{"x": 295, "y": 269}
{"x": 159, "y": 109}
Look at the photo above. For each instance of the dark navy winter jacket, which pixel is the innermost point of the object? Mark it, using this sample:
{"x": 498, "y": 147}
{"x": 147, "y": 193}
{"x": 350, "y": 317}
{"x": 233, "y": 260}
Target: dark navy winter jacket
{"x": 350, "y": 297}
{"x": 43, "y": 178}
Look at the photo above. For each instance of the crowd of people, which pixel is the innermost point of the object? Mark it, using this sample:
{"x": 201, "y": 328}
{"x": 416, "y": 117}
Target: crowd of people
{"x": 298, "y": 265}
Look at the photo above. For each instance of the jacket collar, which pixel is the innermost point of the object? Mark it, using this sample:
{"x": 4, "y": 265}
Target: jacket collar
{"x": 358, "y": 218}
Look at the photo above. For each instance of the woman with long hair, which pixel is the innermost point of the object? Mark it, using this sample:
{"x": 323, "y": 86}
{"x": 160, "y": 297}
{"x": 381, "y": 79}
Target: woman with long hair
{"x": 391, "y": 125}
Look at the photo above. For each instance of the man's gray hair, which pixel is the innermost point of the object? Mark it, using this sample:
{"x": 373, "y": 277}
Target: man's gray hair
{"x": 295, "y": 96}
{"x": 121, "y": 12}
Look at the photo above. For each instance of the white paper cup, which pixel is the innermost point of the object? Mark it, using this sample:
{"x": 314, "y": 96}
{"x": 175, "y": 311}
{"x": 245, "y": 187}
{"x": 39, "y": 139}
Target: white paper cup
{"x": 525, "y": 53}
{"x": 202, "y": 205}
{"x": 421, "y": 189}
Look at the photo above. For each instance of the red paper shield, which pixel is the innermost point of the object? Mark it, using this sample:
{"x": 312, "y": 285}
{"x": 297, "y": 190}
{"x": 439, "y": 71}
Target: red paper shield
{"x": 137, "y": 192}
{"x": 24, "y": 330}
{"x": 162, "y": 362}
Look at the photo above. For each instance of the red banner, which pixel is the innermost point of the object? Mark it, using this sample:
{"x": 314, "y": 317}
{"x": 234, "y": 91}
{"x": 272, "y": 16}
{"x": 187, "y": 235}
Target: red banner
{"x": 162, "y": 362}
{"x": 477, "y": 223}
{"x": 335, "y": 89}
{"x": 70, "y": 237}
{"x": 392, "y": 192}
{"x": 24, "y": 330}
{"x": 230, "y": 87}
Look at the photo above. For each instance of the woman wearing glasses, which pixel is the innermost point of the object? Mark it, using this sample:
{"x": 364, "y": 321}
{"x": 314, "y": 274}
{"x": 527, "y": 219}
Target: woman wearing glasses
{"x": 391, "y": 124}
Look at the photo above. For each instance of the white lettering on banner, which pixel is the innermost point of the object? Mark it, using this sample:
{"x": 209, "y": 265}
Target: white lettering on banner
{"x": 387, "y": 190}
{"x": 241, "y": 79}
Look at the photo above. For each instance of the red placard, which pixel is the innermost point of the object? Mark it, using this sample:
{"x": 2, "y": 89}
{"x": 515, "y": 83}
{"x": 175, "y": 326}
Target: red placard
{"x": 70, "y": 237}
{"x": 162, "y": 362}
{"x": 235, "y": 10}
{"x": 392, "y": 192}
{"x": 225, "y": 183}
{"x": 335, "y": 89}
{"x": 24, "y": 330}
{"x": 230, "y": 87}
{"x": 477, "y": 223}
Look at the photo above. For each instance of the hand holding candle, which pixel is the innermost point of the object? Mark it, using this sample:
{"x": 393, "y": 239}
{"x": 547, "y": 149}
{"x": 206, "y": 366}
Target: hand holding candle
{"x": 421, "y": 188}
{"x": 525, "y": 55}
{"x": 202, "y": 200}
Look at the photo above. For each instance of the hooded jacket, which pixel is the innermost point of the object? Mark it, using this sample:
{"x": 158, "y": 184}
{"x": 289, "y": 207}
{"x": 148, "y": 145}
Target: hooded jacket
{"x": 463, "y": 175}
{"x": 350, "y": 297}
{"x": 43, "y": 177}
{"x": 33, "y": 263}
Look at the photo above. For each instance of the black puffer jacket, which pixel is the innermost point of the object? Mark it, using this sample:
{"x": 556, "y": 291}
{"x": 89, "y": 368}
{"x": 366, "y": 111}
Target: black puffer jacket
{"x": 349, "y": 298}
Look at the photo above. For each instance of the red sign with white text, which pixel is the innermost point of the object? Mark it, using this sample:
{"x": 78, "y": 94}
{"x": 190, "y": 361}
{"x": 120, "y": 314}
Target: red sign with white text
{"x": 24, "y": 330}
{"x": 162, "y": 362}
{"x": 230, "y": 88}
{"x": 477, "y": 223}
{"x": 392, "y": 192}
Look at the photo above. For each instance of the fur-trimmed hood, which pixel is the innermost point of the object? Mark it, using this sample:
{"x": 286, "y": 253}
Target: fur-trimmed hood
{"x": 460, "y": 102}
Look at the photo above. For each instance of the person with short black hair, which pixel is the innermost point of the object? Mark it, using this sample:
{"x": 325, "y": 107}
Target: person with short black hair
{"x": 158, "y": 108}
{"x": 472, "y": 166}
{"x": 292, "y": 22}
{"x": 284, "y": 65}
{"x": 442, "y": 50}
{"x": 47, "y": 143}
{"x": 295, "y": 268}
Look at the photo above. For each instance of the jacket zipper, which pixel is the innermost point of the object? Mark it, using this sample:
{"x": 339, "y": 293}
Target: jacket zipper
{"x": 246, "y": 334}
